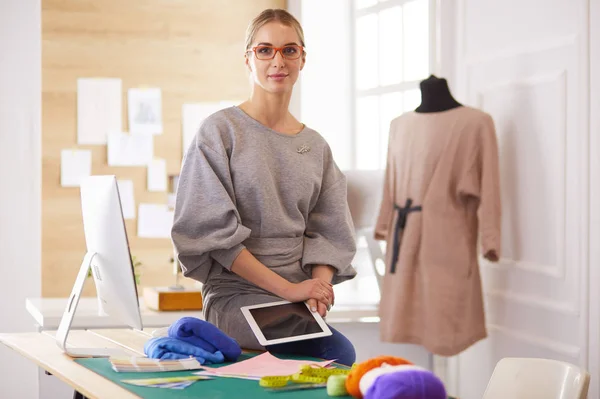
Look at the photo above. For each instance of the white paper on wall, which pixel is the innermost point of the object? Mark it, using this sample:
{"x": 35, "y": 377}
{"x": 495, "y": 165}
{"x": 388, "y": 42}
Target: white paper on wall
{"x": 75, "y": 165}
{"x": 171, "y": 200}
{"x": 99, "y": 105}
{"x": 157, "y": 175}
{"x": 130, "y": 149}
{"x": 154, "y": 221}
{"x": 144, "y": 110}
{"x": 127, "y": 198}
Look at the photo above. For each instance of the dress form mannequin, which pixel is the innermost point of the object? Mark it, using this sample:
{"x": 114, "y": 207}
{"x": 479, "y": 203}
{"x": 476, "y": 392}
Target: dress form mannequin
{"x": 436, "y": 96}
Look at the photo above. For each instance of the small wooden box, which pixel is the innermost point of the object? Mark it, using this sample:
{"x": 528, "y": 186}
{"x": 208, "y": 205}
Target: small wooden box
{"x": 165, "y": 298}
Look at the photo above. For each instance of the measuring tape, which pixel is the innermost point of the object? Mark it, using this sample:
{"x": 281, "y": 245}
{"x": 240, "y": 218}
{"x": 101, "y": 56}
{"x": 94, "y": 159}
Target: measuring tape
{"x": 307, "y": 375}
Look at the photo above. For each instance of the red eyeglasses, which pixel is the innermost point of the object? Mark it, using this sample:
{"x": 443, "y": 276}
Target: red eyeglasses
{"x": 289, "y": 52}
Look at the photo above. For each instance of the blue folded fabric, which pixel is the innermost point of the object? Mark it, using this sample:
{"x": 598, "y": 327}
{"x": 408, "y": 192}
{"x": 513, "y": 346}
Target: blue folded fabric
{"x": 171, "y": 348}
{"x": 205, "y": 335}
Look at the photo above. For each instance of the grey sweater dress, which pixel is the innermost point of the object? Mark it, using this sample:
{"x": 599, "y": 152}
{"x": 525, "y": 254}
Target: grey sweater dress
{"x": 282, "y": 197}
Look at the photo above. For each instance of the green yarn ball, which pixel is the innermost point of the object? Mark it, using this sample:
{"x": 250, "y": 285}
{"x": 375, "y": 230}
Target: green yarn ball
{"x": 336, "y": 385}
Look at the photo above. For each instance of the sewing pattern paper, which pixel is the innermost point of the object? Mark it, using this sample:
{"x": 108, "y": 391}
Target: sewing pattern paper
{"x": 144, "y": 108}
{"x": 260, "y": 366}
{"x": 167, "y": 382}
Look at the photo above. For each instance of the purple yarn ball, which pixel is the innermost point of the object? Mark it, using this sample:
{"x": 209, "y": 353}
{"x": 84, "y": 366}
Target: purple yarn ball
{"x": 409, "y": 384}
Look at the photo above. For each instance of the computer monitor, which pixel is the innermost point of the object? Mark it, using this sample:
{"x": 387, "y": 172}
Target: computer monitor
{"x": 109, "y": 258}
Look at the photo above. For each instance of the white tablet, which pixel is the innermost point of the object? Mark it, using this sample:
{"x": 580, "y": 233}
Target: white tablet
{"x": 283, "y": 321}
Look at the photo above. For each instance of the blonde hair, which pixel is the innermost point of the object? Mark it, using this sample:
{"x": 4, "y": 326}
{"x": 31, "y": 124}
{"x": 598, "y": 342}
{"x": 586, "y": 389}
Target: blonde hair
{"x": 271, "y": 15}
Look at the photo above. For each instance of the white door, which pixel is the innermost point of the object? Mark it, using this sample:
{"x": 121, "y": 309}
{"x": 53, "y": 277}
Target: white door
{"x": 526, "y": 63}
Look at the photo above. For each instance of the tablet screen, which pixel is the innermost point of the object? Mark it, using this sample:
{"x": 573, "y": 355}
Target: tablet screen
{"x": 283, "y": 321}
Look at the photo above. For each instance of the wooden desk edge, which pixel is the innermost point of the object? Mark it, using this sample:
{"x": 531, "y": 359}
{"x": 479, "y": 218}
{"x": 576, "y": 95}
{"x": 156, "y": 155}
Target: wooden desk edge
{"x": 88, "y": 375}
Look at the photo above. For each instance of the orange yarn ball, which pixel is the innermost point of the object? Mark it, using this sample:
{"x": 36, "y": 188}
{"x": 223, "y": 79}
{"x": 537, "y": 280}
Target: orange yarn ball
{"x": 361, "y": 368}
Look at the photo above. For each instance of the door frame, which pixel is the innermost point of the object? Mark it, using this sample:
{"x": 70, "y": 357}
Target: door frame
{"x": 593, "y": 74}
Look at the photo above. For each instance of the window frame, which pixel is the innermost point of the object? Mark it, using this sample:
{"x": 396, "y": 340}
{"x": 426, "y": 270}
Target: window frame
{"x": 390, "y": 88}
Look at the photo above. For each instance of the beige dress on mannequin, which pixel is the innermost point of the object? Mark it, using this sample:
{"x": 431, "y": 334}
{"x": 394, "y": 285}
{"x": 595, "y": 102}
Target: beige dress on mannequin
{"x": 441, "y": 201}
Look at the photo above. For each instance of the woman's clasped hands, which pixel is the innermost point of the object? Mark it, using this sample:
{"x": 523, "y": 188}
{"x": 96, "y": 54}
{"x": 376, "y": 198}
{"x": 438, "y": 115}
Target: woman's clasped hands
{"x": 317, "y": 292}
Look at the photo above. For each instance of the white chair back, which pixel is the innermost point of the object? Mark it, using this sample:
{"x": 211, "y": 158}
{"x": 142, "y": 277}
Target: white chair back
{"x": 534, "y": 378}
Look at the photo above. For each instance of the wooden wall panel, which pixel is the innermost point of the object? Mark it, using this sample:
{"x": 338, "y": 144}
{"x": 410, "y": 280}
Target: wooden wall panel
{"x": 191, "y": 49}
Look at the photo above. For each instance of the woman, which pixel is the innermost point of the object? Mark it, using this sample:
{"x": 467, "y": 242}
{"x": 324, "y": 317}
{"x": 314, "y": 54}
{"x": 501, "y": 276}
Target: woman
{"x": 261, "y": 211}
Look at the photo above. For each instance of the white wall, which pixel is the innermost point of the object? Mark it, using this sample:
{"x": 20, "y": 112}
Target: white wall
{"x": 323, "y": 93}
{"x": 20, "y": 184}
{"x": 295, "y": 8}
{"x": 445, "y": 41}
{"x": 526, "y": 62}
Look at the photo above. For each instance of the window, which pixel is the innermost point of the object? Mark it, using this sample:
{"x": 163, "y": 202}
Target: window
{"x": 392, "y": 53}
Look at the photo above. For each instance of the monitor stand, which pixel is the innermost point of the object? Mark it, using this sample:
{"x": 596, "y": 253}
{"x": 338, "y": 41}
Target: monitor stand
{"x": 67, "y": 318}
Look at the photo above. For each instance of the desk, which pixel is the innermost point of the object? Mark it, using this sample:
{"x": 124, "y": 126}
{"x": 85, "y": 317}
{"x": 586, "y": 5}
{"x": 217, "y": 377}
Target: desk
{"x": 41, "y": 348}
{"x": 47, "y": 313}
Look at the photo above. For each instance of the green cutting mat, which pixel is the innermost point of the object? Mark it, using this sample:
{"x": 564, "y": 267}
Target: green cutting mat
{"x": 221, "y": 388}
